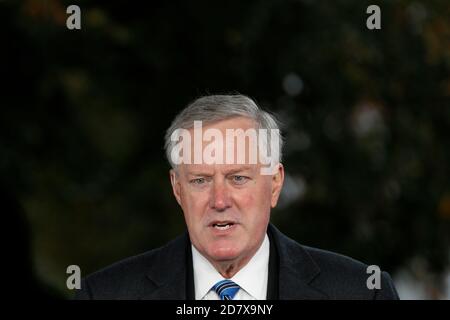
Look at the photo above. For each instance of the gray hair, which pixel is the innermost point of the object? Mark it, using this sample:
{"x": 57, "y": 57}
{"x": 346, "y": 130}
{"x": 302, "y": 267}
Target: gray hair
{"x": 212, "y": 108}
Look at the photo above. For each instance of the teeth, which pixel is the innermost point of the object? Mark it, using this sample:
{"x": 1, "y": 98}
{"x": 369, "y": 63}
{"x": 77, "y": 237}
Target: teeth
{"x": 222, "y": 226}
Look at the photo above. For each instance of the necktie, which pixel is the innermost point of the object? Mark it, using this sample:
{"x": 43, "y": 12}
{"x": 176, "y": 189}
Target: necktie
{"x": 226, "y": 289}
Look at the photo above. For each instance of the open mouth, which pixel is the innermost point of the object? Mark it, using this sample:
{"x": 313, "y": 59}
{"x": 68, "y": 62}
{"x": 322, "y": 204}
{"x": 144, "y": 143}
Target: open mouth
{"x": 222, "y": 225}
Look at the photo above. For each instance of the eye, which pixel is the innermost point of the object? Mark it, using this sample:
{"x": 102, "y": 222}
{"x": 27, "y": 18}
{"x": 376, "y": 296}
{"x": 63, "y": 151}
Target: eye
{"x": 239, "y": 179}
{"x": 198, "y": 181}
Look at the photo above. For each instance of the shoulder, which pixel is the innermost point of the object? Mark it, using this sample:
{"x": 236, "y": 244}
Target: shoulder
{"x": 332, "y": 262}
{"x": 335, "y": 275}
{"x": 316, "y": 259}
{"x": 128, "y": 278}
{"x": 345, "y": 277}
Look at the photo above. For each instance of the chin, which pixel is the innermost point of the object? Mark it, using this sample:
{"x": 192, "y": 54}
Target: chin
{"x": 224, "y": 253}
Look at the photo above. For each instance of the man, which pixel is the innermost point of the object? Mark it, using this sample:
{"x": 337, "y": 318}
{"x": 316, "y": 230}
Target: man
{"x": 226, "y": 189}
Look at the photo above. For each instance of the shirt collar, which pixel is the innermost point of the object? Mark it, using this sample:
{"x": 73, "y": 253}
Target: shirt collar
{"x": 252, "y": 277}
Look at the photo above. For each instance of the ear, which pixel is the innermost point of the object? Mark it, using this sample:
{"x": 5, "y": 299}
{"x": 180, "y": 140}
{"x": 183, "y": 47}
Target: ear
{"x": 277, "y": 185}
{"x": 176, "y": 188}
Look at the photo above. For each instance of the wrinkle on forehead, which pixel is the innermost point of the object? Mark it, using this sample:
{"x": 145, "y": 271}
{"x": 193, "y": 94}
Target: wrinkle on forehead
{"x": 209, "y": 170}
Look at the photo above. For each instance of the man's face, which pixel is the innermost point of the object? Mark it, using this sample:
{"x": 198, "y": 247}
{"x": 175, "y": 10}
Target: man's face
{"x": 226, "y": 206}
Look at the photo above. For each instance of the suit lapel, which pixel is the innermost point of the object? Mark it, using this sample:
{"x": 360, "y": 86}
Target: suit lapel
{"x": 294, "y": 288}
{"x": 297, "y": 269}
{"x": 167, "y": 275}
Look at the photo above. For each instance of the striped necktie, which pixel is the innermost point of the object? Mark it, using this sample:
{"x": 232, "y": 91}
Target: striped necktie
{"x": 226, "y": 289}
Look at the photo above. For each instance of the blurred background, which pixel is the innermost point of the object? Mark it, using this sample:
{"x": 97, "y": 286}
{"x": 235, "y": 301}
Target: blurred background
{"x": 366, "y": 118}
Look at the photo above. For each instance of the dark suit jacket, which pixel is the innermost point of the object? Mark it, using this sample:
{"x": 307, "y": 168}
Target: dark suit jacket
{"x": 295, "y": 272}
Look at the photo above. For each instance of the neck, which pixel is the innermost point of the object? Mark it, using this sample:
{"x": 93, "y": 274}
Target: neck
{"x": 229, "y": 268}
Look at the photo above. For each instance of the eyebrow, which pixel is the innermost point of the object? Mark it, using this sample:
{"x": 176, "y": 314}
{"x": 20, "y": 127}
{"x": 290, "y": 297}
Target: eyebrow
{"x": 231, "y": 171}
{"x": 198, "y": 173}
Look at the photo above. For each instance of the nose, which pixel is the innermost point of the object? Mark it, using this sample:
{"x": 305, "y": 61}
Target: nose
{"x": 220, "y": 198}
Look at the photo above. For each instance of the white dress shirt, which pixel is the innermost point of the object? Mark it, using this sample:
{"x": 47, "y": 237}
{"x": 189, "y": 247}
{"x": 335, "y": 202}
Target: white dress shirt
{"x": 252, "y": 278}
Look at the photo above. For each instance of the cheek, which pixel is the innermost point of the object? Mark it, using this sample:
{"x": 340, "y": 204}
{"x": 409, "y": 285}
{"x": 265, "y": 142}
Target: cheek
{"x": 247, "y": 200}
{"x": 193, "y": 203}
{"x": 254, "y": 201}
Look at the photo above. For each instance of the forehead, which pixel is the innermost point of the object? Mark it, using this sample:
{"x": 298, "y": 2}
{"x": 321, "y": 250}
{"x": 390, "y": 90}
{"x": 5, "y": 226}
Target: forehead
{"x": 224, "y": 146}
{"x": 211, "y": 169}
